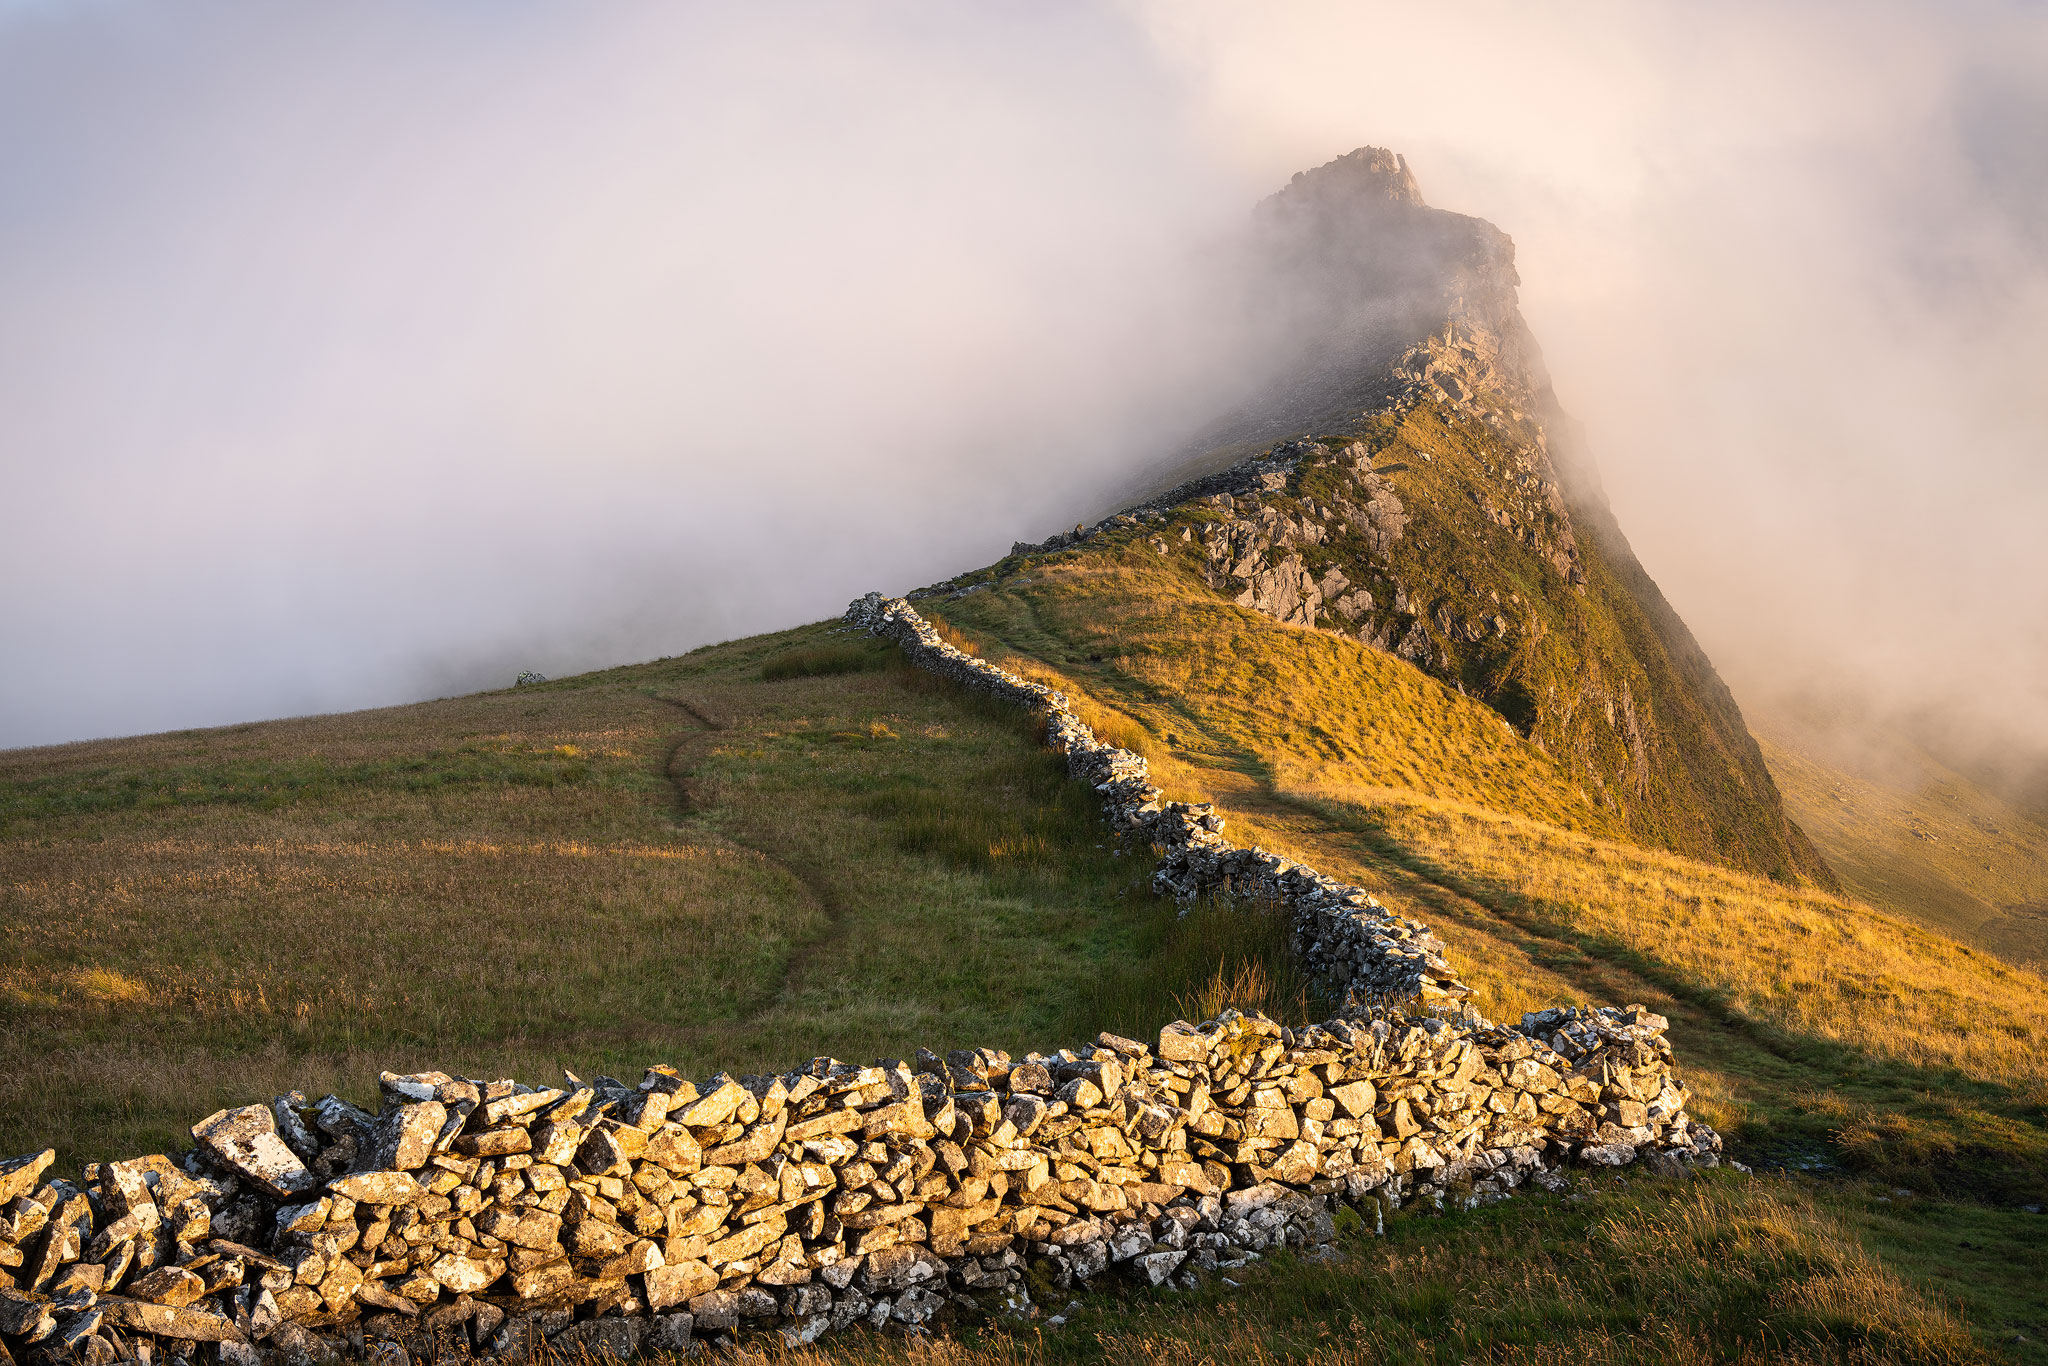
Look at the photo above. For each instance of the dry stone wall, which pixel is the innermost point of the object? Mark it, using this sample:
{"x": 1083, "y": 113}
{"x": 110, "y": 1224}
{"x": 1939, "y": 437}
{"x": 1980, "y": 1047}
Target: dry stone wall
{"x": 505, "y": 1219}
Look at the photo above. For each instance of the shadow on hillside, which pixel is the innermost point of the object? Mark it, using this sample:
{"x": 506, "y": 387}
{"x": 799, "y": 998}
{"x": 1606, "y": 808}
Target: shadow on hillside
{"x": 1928, "y": 1128}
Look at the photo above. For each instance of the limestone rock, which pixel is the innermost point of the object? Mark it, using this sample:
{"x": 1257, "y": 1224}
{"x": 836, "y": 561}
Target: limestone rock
{"x": 246, "y": 1140}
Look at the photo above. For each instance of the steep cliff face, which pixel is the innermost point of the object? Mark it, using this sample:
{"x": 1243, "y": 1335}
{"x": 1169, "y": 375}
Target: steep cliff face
{"x": 1416, "y": 484}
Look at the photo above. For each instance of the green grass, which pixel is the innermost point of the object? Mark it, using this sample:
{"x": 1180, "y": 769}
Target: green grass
{"x": 1621, "y": 1270}
{"x": 680, "y": 862}
{"x": 267, "y": 786}
{"x": 817, "y": 661}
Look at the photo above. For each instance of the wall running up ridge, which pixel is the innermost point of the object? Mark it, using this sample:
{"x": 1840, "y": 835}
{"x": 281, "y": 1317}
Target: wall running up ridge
{"x": 500, "y": 1218}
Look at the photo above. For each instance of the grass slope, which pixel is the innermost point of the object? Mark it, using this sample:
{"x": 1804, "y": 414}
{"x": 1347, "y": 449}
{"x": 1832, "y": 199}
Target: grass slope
{"x": 792, "y": 845}
{"x": 1909, "y": 833}
{"x": 761, "y": 852}
{"x": 1727, "y": 1269}
{"x": 1601, "y": 674}
{"x": 1822, "y": 1034}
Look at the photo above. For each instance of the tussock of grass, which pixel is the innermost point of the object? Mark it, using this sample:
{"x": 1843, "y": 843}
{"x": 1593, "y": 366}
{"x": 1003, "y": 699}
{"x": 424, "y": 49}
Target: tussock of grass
{"x": 818, "y": 661}
{"x": 1193, "y": 966}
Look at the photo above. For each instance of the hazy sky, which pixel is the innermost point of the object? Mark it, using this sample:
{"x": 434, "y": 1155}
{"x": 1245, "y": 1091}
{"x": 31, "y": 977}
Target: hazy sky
{"x": 352, "y": 354}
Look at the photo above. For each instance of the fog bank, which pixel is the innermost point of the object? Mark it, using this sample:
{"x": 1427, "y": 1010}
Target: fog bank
{"x": 353, "y": 356}
{"x": 1789, "y": 264}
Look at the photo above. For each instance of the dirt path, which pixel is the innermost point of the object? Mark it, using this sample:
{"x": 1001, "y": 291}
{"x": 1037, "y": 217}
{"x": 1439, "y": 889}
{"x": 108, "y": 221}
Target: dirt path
{"x": 683, "y": 755}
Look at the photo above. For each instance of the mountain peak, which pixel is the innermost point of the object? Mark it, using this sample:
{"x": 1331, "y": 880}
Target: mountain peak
{"x": 1366, "y": 177}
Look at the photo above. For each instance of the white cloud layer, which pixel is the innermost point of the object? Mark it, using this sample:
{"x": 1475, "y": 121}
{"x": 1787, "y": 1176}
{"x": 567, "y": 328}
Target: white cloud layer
{"x": 356, "y": 354}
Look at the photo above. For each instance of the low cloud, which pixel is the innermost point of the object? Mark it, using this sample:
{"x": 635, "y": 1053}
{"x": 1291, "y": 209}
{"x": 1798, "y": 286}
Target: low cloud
{"x": 1789, "y": 265}
{"x": 355, "y": 355}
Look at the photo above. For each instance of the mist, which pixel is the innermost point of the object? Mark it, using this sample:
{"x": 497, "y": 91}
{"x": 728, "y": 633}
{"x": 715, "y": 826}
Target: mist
{"x": 355, "y": 356}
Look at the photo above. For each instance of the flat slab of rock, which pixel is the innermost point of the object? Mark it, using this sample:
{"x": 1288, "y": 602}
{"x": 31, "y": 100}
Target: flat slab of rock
{"x": 377, "y": 1188}
{"x": 192, "y": 1325}
{"x": 18, "y": 1175}
{"x": 246, "y": 1140}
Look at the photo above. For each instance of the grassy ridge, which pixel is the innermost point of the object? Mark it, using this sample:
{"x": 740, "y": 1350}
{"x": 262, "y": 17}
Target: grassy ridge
{"x": 1601, "y": 673}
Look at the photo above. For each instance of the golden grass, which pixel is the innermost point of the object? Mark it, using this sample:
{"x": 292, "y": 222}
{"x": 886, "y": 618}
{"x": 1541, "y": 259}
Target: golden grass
{"x": 1805, "y": 961}
{"x": 1912, "y": 836}
{"x": 1145, "y": 645}
{"x": 1262, "y": 712}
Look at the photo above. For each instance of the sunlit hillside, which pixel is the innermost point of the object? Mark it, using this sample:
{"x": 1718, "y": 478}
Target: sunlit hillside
{"x": 793, "y": 845}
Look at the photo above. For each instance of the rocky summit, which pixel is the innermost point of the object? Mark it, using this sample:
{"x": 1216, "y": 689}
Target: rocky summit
{"x": 1412, "y": 481}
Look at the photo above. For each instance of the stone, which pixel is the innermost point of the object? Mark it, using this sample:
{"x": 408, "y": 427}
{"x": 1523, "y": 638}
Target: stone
{"x": 297, "y": 1346}
{"x": 608, "y": 1338}
{"x": 169, "y": 1285}
{"x": 645, "y": 1255}
{"x": 170, "y": 1321}
{"x": 20, "y": 1310}
{"x": 246, "y": 1141}
{"x": 18, "y": 1175}
{"x": 597, "y": 1239}
{"x": 1157, "y": 1267}
{"x": 374, "y": 1294}
{"x": 495, "y": 1143}
{"x": 305, "y": 1218}
{"x": 466, "y": 1275}
{"x": 528, "y": 1228}
{"x": 715, "y": 1108}
{"x": 541, "y": 1282}
{"x": 378, "y": 1188}
{"x": 677, "y": 1283}
{"x": 672, "y": 1147}
{"x": 715, "y": 1311}
{"x": 403, "y": 1137}
{"x": 1355, "y": 1099}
